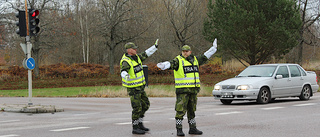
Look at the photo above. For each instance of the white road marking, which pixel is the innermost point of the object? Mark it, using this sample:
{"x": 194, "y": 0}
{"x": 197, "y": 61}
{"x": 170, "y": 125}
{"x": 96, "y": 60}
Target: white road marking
{"x": 124, "y": 123}
{"x": 307, "y": 104}
{"x": 67, "y": 129}
{"x": 129, "y": 123}
{"x": 13, "y": 135}
{"x": 227, "y": 113}
{"x": 271, "y": 108}
{"x": 9, "y": 121}
{"x": 84, "y": 114}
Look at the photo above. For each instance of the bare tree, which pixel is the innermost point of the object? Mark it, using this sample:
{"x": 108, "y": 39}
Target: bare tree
{"x": 185, "y": 18}
{"x": 310, "y": 13}
{"x": 84, "y": 9}
{"x": 120, "y": 22}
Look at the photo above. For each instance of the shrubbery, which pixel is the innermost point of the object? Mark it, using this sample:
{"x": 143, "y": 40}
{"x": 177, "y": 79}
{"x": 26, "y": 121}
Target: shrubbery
{"x": 84, "y": 70}
{"x": 73, "y": 71}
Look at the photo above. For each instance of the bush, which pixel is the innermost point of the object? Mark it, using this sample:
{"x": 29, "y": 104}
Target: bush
{"x": 83, "y": 70}
{"x": 73, "y": 71}
{"x": 59, "y": 70}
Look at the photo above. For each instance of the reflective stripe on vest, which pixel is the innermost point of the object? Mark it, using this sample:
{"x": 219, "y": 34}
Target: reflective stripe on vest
{"x": 135, "y": 72}
{"x": 187, "y": 74}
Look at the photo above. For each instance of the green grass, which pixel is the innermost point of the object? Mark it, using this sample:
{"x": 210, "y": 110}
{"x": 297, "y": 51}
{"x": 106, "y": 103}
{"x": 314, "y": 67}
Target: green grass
{"x": 97, "y": 91}
{"x": 108, "y": 86}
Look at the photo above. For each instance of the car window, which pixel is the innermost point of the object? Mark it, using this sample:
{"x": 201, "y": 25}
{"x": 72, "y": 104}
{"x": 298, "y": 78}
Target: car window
{"x": 295, "y": 72}
{"x": 283, "y": 71}
{"x": 258, "y": 71}
{"x": 303, "y": 72}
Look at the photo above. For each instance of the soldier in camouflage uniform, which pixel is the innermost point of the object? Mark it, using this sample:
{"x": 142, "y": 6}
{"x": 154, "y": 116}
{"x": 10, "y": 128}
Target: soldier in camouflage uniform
{"x": 133, "y": 79}
{"x": 187, "y": 84}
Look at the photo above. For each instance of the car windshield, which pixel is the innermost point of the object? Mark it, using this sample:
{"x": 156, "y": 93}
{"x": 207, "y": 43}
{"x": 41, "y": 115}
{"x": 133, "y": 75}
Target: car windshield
{"x": 258, "y": 71}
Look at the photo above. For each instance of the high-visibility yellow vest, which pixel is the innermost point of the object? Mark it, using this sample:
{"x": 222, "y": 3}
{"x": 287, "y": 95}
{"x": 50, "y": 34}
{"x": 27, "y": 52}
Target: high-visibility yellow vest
{"x": 136, "y": 73}
{"x": 187, "y": 75}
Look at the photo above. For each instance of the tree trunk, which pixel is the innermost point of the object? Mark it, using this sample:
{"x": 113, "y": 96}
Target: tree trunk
{"x": 82, "y": 39}
{"x": 300, "y": 49}
{"x": 88, "y": 39}
{"x": 35, "y": 50}
{"x": 111, "y": 60}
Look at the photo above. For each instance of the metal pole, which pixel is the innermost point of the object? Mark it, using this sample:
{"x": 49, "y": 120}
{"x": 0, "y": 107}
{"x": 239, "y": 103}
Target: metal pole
{"x": 29, "y": 70}
{"x": 28, "y": 53}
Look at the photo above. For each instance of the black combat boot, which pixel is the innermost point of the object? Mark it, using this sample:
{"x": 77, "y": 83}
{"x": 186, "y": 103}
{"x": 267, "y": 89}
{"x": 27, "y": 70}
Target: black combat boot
{"x": 179, "y": 127}
{"x": 193, "y": 127}
{"x": 180, "y": 132}
{"x": 141, "y": 125}
{"x": 136, "y": 129}
{"x": 195, "y": 131}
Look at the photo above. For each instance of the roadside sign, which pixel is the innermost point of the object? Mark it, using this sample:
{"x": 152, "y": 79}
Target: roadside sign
{"x": 30, "y": 63}
{"x": 24, "y": 63}
{"x": 24, "y": 47}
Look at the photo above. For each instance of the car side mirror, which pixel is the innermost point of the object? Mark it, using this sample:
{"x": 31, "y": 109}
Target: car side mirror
{"x": 279, "y": 77}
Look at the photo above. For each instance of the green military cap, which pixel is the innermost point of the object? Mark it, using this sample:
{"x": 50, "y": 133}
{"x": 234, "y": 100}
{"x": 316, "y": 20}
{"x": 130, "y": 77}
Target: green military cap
{"x": 130, "y": 45}
{"x": 186, "y": 48}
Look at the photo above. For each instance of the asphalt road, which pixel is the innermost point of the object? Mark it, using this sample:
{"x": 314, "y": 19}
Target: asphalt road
{"x": 111, "y": 117}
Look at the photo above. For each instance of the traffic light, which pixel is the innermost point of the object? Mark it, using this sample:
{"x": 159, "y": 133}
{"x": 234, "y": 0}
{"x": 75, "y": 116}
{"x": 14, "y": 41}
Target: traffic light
{"x": 33, "y": 22}
{"x": 22, "y": 30}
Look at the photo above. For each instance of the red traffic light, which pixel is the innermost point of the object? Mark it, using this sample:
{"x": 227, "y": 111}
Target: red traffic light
{"x": 34, "y": 13}
{"x": 33, "y": 22}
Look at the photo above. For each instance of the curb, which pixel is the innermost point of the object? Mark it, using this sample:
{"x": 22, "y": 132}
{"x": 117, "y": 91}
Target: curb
{"x": 22, "y": 108}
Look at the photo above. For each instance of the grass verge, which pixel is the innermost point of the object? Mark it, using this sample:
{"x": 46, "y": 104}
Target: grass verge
{"x": 98, "y": 91}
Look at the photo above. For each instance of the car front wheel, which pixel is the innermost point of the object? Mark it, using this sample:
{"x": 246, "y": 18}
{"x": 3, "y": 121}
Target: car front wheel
{"x": 226, "y": 102}
{"x": 305, "y": 93}
{"x": 264, "y": 96}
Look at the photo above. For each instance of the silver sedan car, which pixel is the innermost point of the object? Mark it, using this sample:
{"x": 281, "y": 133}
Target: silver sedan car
{"x": 266, "y": 82}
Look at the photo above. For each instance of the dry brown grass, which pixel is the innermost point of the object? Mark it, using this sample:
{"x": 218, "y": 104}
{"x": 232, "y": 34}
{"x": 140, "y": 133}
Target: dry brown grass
{"x": 152, "y": 91}
{"x": 232, "y": 66}
{"x": 314, "y": 65}
{"x": 109, "y": 92}
{"x": 157, "y": 91}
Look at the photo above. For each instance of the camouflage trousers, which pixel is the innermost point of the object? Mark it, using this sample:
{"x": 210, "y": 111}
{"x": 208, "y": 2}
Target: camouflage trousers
{"x": 139, "y": 102}
{"x": 186, "y": 102}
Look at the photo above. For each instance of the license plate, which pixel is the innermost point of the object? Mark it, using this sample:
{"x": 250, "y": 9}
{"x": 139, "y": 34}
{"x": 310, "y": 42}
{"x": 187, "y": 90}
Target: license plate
{"x": 226, "y": 94}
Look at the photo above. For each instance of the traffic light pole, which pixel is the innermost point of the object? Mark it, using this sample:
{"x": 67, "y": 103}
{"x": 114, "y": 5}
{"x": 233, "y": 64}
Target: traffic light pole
{"x": 28, "y": 27}
{"x": 29, "y": 46}
{"x": 28, "y": 54}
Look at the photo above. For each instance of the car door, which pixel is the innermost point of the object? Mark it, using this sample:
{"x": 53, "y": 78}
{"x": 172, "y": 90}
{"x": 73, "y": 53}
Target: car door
{"x": 282, "y": 87}
{"x": 296, "y": 79}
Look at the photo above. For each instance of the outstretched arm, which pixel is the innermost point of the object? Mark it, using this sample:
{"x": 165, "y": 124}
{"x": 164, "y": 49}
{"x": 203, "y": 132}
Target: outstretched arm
{"x": 152, "y": 49}
{"x": 173, "y": 64}
{"x": 164, "y": 65}
{"x": 202, "y": 59}
{"x": 212, "y": 50}
{"x": 147, "y": 53}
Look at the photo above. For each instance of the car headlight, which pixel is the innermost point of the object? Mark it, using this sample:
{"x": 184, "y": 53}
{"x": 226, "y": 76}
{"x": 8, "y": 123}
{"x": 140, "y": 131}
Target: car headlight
{"x": 243, "y": 87}
{"x": 217, "y": 87}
